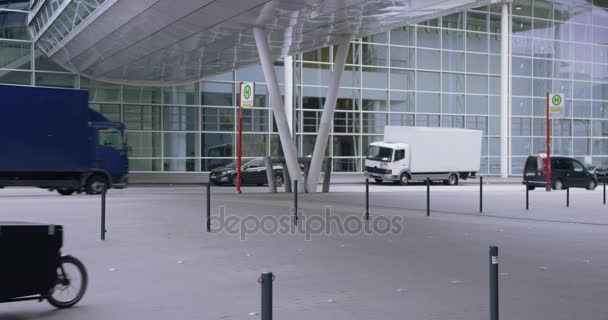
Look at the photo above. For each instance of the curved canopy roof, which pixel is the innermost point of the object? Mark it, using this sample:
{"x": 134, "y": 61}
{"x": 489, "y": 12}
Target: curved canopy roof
{"x": 162, "y": 42}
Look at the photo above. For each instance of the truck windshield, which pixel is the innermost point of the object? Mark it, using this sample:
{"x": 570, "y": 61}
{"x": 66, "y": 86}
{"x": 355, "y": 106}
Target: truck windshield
{"x": 111, "y": 138}
{"x": 379, "y": 153}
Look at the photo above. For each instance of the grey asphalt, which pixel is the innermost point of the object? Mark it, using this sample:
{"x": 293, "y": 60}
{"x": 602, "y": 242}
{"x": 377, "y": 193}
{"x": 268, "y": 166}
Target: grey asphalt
{"x": 159, "y": 263}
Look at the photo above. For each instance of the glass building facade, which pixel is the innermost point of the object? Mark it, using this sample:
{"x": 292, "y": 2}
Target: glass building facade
{"x": 444, "y": 72}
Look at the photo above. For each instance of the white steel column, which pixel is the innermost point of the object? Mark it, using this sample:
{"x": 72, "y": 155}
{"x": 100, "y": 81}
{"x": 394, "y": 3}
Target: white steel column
{"x": 504, "y": 91}
{"x": 276, "y": 103}
{"x": 327, "y": 117}
{"x": 288, "y": 97}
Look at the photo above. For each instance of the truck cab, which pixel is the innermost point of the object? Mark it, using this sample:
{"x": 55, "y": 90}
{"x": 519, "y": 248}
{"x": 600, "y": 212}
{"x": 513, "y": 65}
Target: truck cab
{"x": 109, "y": 161}
{"x": 387, "y": 161}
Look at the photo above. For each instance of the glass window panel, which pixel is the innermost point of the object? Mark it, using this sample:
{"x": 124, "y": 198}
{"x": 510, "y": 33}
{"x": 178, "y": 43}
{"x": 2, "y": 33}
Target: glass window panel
{"x": 453, "y": 21}
{"x": 15, "y": 77}
{"x": 351, "y": 77}
{"x": 315, "y": 74}
{"x": 581, "y": 128}
{"x": 218, "y": 119}
{"x": 477, "y": 84}
{"x": 346, "y": 146}
{"x": 580, "y": 109}
{"x": 477, "y": 104}
{"x": 453, "y": 103}
{"x": 217, "y": 145}
{"x": 477, "y": 122}
{"x": 494, "y": 127}
{"x": 453, "y": 40}
{"x": 522, "y": 146}
{"x": 600, "y": 128}
{"x": 521, "y": 66}
{"x": 317, "y": 55}
{"x": 310, "y": 121}
{"x": 347, "y": 165}
{"x": 217, "y": 94}
{"x": 348, "y": 99}
{"x": 477, "y": 21}
{"x": 375, "y": 78}
{"x": 403, "y": 36}
{"x": 180, "y": 165}
{"x": 522, "y": 86}
{"x": 581, "y": 146}
{"x": 452, "y": 121}
{"x": 453, "y": 82}
{"x": 181, "y": 145}
{"x": 402, "y": 57}
{"x": 255, "y": 120}
{"x": 428, "y": 81}
{"x": 184, "y": 95}
{"x": 429, "y": 59}
{"x": 453, "y": 61}
{"x": 110, "y": 111}
{"x": 374, "y": 54}
{"x": 402, "y": 79}
{"x": 141, "y": 117}
{"x": 477, "y": 63}
{"x": 521, "y": 106}
{"x": 255, "y": 145}
{"x": 561, "y": 127}
{"x": 180, "y": 118}
{"x": 477, "y": 42}
{"x": 400, "y": 119}
{"x": 100, "y": 91}
{"x": 427, "y": 120}
{"x": 13, "y": 25}
{"x": 140, "y": 94}
{"x": 55, "y": 80}
{"x": 374, "y": 100}
{"x": 144, "y": 165}
{"x": 374, "y": 122}
{"x": 15, "y": 55}
{"x": 402, "y": 101}
{"x": 347, "y": 122}
{"x": 144, "y": 144}
{"x": 428, "y": 37}
{"x": 428, "y": 102}
{"x": 381, "y": 37}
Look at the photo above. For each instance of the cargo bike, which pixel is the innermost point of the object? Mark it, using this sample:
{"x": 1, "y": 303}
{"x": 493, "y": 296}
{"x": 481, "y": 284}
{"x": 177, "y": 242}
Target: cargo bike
{"x": 32, "y": 267}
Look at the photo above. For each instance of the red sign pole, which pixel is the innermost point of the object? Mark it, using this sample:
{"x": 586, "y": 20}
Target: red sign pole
{"x": 548, "y": 158}
{"x": 239, "y": 141}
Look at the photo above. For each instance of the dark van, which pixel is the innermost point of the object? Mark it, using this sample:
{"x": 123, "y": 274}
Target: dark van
{"x": 566, "y": 173}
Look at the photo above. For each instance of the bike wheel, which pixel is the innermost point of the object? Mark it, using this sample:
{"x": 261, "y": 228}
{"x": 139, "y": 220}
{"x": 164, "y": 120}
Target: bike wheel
{"x": 71, "y": 283}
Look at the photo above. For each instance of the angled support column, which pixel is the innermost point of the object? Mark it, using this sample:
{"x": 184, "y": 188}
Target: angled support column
{"x": 327, "y": 117}
{"x": 276, "y": 102}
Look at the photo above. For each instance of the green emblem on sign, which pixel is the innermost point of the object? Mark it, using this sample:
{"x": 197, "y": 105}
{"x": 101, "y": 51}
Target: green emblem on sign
{"x": 247, "y": 92}
{"x": 556, "y": 100}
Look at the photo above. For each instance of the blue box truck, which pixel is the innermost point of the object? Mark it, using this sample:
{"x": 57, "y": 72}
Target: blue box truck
{"x": 51, "y": 139}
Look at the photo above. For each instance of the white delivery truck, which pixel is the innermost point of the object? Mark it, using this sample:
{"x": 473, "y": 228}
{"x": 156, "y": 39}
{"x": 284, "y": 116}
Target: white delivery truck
{"x": 415, "y": 153}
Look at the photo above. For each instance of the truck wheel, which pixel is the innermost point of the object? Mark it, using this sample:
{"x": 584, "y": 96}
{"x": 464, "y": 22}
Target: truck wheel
{"x": 403, "y": 179}
{"x": 65, "y": 191}
{"x": 95, "y": 184}
{"x": 378, "y": 181}
{"x": 452, "y": 180}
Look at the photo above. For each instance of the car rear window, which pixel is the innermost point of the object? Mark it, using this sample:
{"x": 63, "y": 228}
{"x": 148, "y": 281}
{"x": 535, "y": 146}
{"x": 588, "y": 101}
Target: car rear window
{"x": 531, "y": 164}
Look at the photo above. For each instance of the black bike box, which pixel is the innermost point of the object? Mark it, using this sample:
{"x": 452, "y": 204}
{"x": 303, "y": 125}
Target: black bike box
{"x": 29, "y": 258}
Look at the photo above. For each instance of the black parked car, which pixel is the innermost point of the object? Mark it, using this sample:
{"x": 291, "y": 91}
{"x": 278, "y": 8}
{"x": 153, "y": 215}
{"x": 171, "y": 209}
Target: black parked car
{"x": 566, "y": 173}
{"x": 253, "y": 172}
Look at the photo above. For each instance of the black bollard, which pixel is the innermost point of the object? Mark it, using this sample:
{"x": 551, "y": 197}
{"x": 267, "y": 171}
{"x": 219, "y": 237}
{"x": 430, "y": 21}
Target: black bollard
{"x": 527, "y": 195}
{"x": 604, "y": 193}
{"x": 103, "y": 212}
{"x": 295, "y": 202}
{"x": 480, "y": 194}
{"x": 493, "y": 283}
{"x": 266, "y": 282}
{"x": 208, "y": 222}
{"x": 568, "y": 197}
{"x": 366, "y": 198}
{"x": 428, "y": 197}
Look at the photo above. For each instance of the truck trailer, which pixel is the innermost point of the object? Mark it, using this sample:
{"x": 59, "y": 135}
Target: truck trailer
{"x": 417, "y": 153}
{"x": 51, "y": 139}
